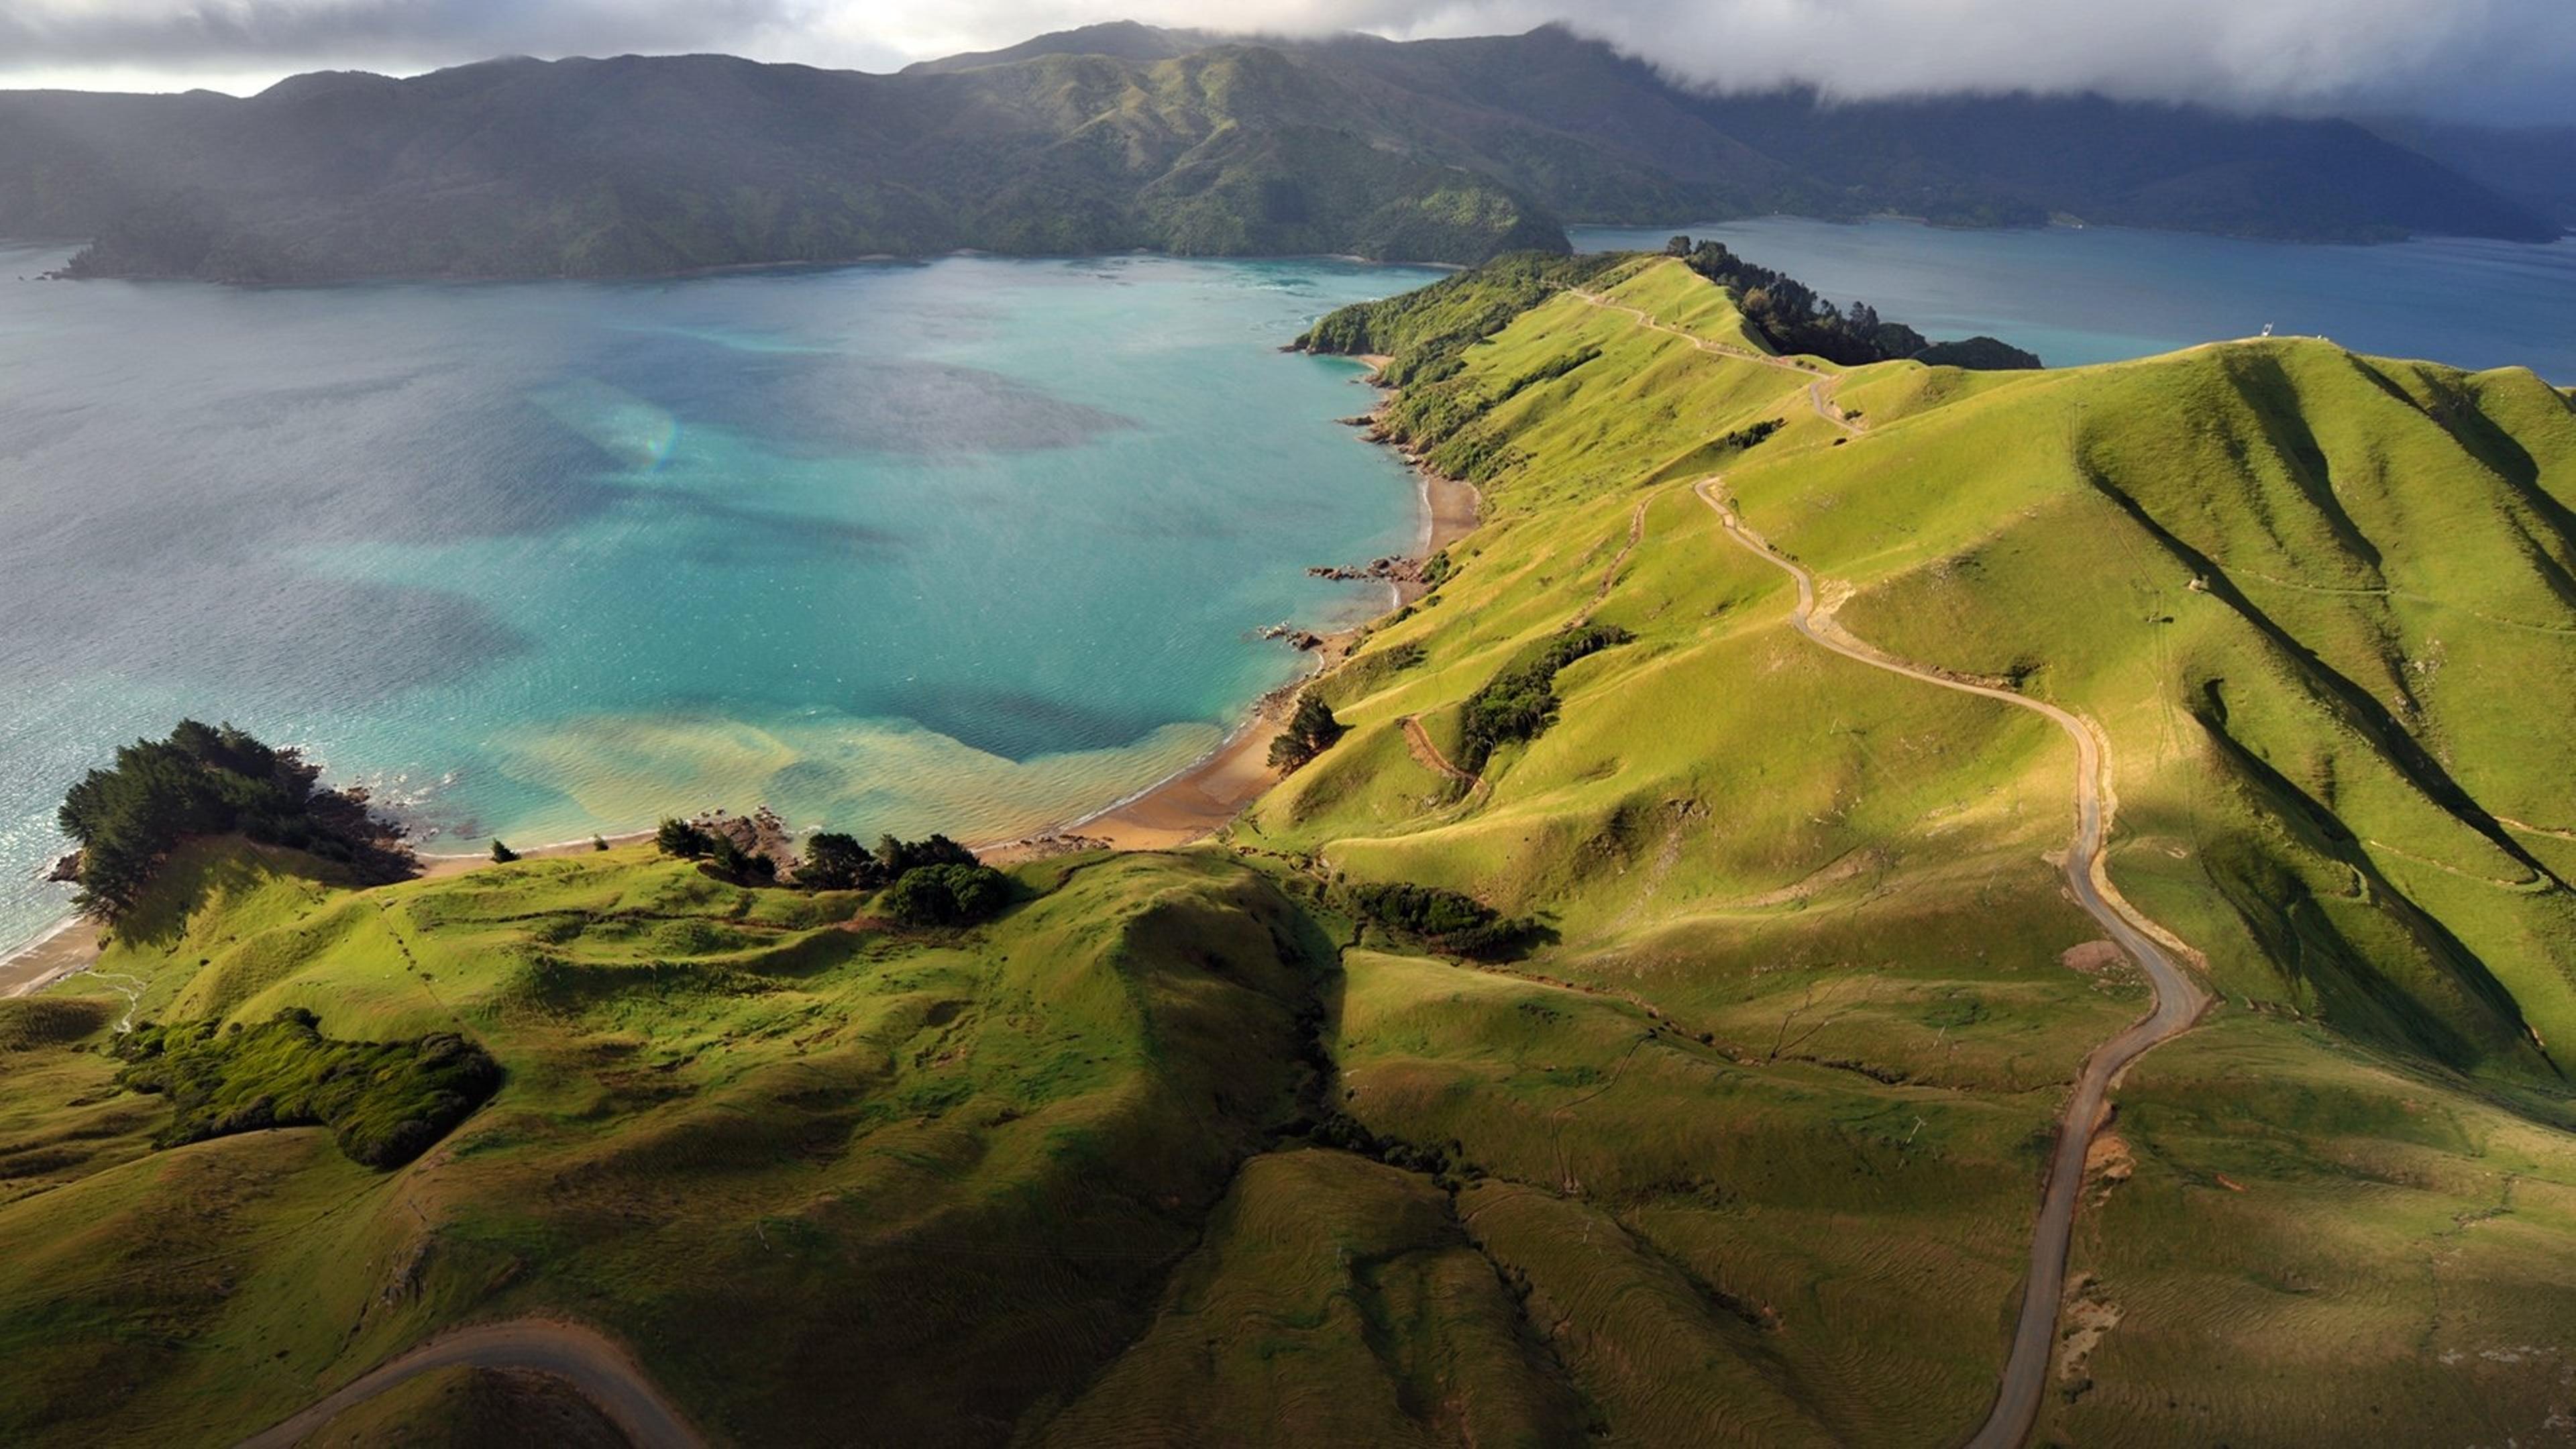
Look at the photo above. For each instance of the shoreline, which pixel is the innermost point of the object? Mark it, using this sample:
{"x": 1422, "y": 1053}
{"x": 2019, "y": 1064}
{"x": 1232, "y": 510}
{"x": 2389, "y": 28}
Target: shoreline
{"x": 69, "y": 948}
{"x": 1186, "y": 806}
{"x": 1204, "y": 797}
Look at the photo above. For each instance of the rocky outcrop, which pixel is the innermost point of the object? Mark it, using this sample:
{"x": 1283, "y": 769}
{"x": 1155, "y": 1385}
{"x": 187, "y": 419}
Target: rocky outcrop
{"x": 1391, "y": 569}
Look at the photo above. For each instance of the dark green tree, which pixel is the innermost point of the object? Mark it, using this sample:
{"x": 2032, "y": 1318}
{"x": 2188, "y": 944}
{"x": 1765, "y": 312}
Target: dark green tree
{"x": 210, "y": 780}
{"x": 729, "y": 860}
{"x": 1311, "y": 730}
{"x": 947, "y": 895}
{"x": 899, "y": 857}
{"x": 680, "y": 839}
{"x": 837, "y": 862}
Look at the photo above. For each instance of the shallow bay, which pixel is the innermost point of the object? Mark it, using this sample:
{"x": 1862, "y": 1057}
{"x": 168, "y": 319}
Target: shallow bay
{"x": 973, "y": 545}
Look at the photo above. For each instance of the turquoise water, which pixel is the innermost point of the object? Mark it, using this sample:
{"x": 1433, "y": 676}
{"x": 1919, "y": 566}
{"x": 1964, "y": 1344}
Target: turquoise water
{"x": 2099, "y": 294}
{"x": 973, "y": 545}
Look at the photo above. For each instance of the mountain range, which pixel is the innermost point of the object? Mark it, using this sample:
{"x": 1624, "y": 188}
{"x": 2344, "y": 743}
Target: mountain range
{"x": 1124, "y": 136}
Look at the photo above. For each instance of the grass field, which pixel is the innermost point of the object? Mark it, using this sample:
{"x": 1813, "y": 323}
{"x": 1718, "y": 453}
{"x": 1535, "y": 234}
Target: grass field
{"x": 964, "y": 1161}
{"x": 1744, "y": 1149}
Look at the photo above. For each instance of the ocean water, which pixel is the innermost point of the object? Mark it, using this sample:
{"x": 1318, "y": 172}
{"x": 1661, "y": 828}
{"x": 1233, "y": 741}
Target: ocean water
{"x": 2099, "y": 294}
{"x": 974, "y": 545}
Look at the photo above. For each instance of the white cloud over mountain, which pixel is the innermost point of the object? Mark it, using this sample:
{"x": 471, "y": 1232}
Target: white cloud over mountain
{"x": 2495, "y": 58}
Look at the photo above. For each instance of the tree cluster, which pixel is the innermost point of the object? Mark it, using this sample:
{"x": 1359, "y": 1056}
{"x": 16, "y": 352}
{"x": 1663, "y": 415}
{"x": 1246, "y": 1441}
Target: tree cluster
{"x": 933, "y": 881}
{"x": 212, "y": 780}
{"x": 1520, "y": 702}
{"x": 837, "y": 862}
{"x": 947, "y": 895}
{"x": 1980, "y": 354}
{"x": 1793, "y": 317}
{"x": 1444, "y": 920}
{"x": 1311, "y": 731}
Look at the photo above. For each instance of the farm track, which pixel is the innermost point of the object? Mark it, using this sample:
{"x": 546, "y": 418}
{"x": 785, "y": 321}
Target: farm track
{"x": 599, "y": 1369}
{"x": 1428, "y": 755}
{"x": 1825, "y": 407}
{"x": 2179, "y": 1000}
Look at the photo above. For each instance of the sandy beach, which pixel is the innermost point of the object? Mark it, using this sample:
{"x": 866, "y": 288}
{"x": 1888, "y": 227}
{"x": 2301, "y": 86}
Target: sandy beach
{"x": 49, "y": 960}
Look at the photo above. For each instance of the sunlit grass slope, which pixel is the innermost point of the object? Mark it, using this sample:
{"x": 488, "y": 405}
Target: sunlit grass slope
{"x": 815, "y": 1174}
{"x": 2322, "y": 607}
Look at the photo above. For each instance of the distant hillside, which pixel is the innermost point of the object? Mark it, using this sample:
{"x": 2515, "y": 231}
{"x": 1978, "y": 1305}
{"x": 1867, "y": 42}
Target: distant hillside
{"x": 1118, "y": 39}
{"x": 1117, "y": 137}
{"x": 2534, "y": 165}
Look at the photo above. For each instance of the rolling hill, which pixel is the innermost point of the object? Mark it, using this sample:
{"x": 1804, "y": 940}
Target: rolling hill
{"x": 1119, "y": 137}
{"x": 1736, "y": 1139}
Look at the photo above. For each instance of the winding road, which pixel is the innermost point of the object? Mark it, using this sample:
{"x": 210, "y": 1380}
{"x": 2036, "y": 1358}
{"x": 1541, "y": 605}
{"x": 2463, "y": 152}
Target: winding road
{"x": 2179, "y": 999}
{"x": 599, "y": 1369}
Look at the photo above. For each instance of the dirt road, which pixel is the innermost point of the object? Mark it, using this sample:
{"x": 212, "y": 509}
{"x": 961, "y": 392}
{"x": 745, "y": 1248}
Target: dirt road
{"x": 2179, "y": 1001}
{"x": 590, "y": 1363}
{"x": 1428, "y": 755}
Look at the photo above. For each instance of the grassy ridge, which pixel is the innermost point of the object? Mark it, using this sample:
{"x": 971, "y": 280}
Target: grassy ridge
{"x": 2222, "y": 554}
{"x": 965, "y": 1160}
{"x": 2307, "y": 595}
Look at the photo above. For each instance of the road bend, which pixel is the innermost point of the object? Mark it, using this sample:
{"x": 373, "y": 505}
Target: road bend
{"x": 2179, "y": 1000}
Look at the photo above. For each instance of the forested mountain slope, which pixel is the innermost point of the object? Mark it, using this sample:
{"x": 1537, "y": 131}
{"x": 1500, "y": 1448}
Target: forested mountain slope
{"x": 1116, "y": 137}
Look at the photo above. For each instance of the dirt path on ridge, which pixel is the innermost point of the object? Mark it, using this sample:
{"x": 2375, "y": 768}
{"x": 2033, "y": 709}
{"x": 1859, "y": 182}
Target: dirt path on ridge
{"x": 2179, "y": 999}
{"x": 599, "y": 1369}
{"x": 1428, "y": 755}
{"x": 1825, "y": 407}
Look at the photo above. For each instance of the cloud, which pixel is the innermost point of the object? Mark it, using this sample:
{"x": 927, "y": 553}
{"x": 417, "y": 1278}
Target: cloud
{"x": 2493, "y": 57}
{"x": 133, "y": 33}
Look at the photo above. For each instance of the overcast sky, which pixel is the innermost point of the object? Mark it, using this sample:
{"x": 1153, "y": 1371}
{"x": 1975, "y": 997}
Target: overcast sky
{"x": 2490, "y": 59}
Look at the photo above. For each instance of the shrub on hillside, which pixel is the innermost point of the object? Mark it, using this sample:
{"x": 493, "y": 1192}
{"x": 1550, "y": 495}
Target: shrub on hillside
{"x": 680, "y": 839}
{"x": 212, "y": 780}
{"x": 385, "y": 1102}
{"x": 947, "y": 895}
{"x": 837, "y": 862}
{"x": 1520, "y": 702}
{"x": 1749, "y": 436}
{"x": 1444, "y": 920}
{"x": 1311, "y": 731}
{"x": 899, "y": 857}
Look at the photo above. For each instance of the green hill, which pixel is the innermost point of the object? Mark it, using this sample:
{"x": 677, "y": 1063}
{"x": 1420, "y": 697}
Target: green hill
{"x": 1741, "y": 1144}
{"x": 2308, "y": 597}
